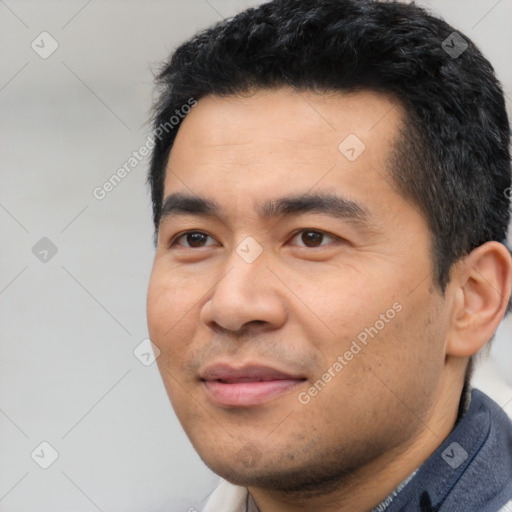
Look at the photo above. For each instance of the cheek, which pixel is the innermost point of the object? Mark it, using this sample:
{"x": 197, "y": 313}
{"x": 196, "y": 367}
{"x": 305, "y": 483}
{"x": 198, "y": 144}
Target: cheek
{"x": 169, "y": 302}
{"x": 170, "y": 308}
{"x": 407, "y": 355}
{"x": 342, "y": 304}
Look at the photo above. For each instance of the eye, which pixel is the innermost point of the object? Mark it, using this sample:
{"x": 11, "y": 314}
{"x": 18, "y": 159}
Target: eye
{"x": 193, "y": 240}
{"x": 313, "y": 238}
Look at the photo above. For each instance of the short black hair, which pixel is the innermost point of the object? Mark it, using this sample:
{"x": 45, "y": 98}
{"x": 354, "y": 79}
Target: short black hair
{"x": 451, "y": 158}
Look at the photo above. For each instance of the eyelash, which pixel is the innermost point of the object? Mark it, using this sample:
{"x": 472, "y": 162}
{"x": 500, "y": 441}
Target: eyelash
{"x": 176, "y": 239}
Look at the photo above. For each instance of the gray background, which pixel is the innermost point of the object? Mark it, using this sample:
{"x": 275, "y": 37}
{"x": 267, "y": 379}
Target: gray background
{"x": 69, "y": 325}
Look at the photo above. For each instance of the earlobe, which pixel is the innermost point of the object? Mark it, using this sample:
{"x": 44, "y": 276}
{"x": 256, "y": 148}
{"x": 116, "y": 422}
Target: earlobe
{"x": 483, "y": 282}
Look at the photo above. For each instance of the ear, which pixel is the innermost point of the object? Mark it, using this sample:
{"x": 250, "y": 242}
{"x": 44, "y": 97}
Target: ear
{"x": 482, "y": 283}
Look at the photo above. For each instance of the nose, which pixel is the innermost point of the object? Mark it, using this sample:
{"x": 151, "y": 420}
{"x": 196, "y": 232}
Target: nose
{"x": 247, "y": 293}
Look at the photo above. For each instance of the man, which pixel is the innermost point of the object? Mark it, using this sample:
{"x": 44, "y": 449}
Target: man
{"x": 331, "y": 209}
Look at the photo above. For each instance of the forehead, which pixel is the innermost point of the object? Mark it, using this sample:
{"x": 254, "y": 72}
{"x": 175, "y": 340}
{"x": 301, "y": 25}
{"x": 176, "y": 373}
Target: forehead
{"x": 283, "y": 140}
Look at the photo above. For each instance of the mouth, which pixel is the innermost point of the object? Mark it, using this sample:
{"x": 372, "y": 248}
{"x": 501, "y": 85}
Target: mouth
{"x": 246, "y": 386}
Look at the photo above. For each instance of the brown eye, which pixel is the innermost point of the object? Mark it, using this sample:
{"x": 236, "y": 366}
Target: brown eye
{"x": 312, "y": 238}
{"x": 194, "y": 240}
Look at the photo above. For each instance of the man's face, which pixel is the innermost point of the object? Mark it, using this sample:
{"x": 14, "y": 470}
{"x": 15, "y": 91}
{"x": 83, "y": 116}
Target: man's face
{"x": 292, "y": 295}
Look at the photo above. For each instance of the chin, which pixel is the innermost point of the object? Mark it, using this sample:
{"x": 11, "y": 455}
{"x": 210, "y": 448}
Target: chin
{"x": 248, "y": 467}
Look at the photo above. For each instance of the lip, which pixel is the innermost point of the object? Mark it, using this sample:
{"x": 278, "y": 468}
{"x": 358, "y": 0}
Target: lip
{"x": 246, "y": 386}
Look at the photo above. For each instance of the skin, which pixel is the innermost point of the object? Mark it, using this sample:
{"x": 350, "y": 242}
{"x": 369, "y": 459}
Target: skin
{"x": 299, "y": 305}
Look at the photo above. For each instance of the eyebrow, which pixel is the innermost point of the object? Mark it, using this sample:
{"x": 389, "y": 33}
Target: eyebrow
{"x": 328, "y": 204}
{"x": 185, "y": 204}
